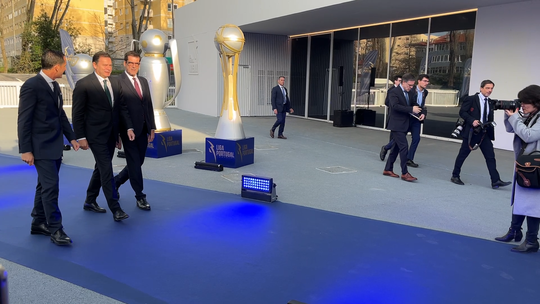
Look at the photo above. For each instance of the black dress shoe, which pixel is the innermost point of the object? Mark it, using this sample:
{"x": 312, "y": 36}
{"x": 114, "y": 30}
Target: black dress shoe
{"x": 383, "y": 152}
{"x": 272, "y": 133}
{"x": 512, "y": 234}
{"x": 119, "y": 215}
{"x": 40, "y": 229}
{"x": 456, "y": 180}
{"x": 93, "y": 206}
{"x": 143, "y": 204}
{"x": 499, "y": 183}
{"x": 527, "y": 247}
{"x": 60, "y": 238}
{"x": 410, "y": 163}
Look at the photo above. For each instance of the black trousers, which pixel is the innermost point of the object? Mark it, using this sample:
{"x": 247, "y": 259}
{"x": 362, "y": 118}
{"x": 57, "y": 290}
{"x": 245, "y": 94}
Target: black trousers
{"x": 401, "y": 147}
{"x": 135, "y": 153}
{"x": 486, "y": 146}
{"x": 280, "y": 121}
{"x": 102, "y": 177}
{"x": 46, "y": 210}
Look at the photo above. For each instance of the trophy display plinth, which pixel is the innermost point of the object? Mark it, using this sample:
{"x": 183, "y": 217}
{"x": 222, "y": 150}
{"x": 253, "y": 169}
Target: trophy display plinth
{"x": 165, "y": 144}
{"x": 229, "y": 152}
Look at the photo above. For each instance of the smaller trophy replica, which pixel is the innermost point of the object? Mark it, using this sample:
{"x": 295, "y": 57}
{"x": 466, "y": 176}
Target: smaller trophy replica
{"x": 230, "y": 147}
{"x": 155, "y": 68}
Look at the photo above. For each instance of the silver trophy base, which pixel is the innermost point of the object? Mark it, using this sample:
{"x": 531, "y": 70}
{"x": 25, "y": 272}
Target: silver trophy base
{"x": 162, "y": 121}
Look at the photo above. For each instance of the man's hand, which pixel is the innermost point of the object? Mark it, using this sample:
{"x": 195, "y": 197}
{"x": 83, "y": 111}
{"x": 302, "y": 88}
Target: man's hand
{"x": 131, "y": 135}
{"x": 83, "y": 144}
{"x": 476, "y": 123}
{"x": 275, "y": 111}
{"x": 119, "y": 143}
{"x": 151, "y": 136}
{"x": 28, "y": 158}
{"x": 416, "y": 109}
{"x": 291, "y": 111}
{"x": 75, "y": 145}
{"x": 422, "y": 116}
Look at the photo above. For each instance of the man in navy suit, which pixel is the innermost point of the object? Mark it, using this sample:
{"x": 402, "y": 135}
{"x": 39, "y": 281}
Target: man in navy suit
{"x": 476, "y": 111}
{"x": 401, "y": 107}
{"x": 41, "y": 122}
{"x": 98, "y": 107}
{"x": 419, "y": 94}
{"x": 390, "y": 144}
{"x": 280, "y": 105}
{"x": 139, "y": 103}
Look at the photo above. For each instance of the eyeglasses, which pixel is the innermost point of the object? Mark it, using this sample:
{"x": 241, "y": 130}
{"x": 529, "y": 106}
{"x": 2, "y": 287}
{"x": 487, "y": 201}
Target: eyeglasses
{"x": 133, "y": 63}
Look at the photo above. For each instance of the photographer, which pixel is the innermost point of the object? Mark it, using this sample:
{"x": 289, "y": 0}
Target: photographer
{"x": 525, "y": 203}
{"x": 477, "y": 113}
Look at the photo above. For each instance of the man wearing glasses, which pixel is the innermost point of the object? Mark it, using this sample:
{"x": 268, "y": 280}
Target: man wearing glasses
{"x": 401, "y": 106}
{"x": 139, "y": 103}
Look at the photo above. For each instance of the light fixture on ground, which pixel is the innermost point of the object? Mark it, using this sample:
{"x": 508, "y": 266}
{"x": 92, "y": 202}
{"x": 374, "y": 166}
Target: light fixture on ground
{"x": 259, "y": 188}
{"x": 208, "y": 166}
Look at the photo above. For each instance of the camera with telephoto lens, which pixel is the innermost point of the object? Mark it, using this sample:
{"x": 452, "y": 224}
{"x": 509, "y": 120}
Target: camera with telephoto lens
{"x": 459, "y": 127}
{"x": 483, "y": 126}
{"x": 505, "y": 104}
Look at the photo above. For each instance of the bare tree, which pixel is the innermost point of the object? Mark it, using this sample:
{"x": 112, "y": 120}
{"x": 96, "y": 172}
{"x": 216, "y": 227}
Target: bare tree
{"x": 137, "y": 25}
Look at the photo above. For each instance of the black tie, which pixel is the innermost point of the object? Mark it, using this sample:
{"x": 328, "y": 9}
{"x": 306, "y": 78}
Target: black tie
{"x": 485, "y": 110}
{"x": 56, "y": 92}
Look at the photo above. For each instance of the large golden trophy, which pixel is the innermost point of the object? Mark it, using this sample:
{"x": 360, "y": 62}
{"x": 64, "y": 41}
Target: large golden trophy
{"x": 229, "y": 41}
{"x": 230, "y": 148}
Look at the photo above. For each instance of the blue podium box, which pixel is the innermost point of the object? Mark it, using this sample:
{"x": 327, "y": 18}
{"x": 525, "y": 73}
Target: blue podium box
{"x": 230, "y": 153}
{"x": 165, "y": 144}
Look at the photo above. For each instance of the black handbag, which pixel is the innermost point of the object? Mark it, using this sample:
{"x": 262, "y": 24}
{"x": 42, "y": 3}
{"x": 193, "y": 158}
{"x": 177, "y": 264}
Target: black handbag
{"x": 528, "y": 170}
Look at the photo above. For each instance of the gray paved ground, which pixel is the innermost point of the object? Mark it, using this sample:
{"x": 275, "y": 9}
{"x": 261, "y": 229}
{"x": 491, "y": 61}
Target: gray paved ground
{"x": 298, "y": 168}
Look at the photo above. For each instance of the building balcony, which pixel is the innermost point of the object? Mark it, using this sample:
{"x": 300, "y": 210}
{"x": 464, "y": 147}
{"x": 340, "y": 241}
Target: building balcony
{"x": 149, "y": 14}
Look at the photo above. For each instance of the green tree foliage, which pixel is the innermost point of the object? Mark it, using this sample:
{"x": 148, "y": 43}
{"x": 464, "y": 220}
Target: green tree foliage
{"x": 39, "y": 35}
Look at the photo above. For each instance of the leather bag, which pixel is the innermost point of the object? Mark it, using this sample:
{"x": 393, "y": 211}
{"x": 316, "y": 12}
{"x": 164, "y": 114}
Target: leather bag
{"x": 528, "y": 170}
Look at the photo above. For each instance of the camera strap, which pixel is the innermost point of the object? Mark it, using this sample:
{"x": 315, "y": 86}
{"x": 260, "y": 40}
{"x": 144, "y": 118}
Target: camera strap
{"x": 479, "y": 143}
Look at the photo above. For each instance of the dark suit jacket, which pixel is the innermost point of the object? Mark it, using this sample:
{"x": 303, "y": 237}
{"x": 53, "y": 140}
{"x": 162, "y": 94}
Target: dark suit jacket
{"x": 93, "y": 116}
{"x": 399, "y": 110}
{"x": 41, "y": 120}
{"x": 414, "y": 94}
{"x": 387, "y": 100}
{"x": 140, "y": 110}
{"x": 470, "y": 111}
{"x": 277, "y": 100}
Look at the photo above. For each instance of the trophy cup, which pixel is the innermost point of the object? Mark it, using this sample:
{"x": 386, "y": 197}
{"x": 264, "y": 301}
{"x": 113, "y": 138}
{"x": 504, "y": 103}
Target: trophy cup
{"x": 230, "y": 147}
{"x": 155, "y": 68}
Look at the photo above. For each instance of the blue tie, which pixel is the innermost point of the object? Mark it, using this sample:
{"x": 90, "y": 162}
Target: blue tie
{"x": 284, "y": 95}
{"x": 406, "y": 97}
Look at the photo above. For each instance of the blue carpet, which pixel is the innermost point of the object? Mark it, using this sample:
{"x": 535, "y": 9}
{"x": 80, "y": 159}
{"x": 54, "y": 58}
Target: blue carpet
{"x": 200, "y": 246}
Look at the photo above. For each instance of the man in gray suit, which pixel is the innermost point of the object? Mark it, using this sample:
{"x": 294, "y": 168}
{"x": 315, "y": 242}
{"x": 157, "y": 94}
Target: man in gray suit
{"x": 281, "y": 105}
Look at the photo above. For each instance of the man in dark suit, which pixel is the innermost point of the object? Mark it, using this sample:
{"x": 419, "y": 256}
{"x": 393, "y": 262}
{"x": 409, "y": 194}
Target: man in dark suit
{"x": 41, "y": 123}
{"x": 390, "y": 144}
{"x": 477, "y": 112}
{"x": 137, "y": 97}
{"x": 280, "y": 105}
{"x": 401, "y": 107}
{"x": 419, "y": 94}
{"x": 98, "y": 107}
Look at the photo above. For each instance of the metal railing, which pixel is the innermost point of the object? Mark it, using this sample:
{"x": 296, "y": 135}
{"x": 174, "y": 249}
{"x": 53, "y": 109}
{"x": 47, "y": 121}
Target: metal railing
{"x": 10, "y": 90}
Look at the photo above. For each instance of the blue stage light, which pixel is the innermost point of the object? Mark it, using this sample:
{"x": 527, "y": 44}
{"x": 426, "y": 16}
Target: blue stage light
{"x": 259, "y": 188}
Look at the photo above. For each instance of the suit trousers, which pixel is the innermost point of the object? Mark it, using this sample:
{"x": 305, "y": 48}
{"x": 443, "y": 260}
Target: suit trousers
{"x": 400, "y": 148}
{"x": 46, "y": 209}
{"x": 280, "y": 122}
{"x": 135, "y": 154}
{"x": 414, "y": 128}
{"x": 486, "y": 146}
{"x": 102, "y": 177}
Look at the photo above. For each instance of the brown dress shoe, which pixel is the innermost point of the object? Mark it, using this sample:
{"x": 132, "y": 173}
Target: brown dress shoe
{"x": 408, "y": 177}
{"x": 390, "y": 173}
{"x": 282, "y": 137}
